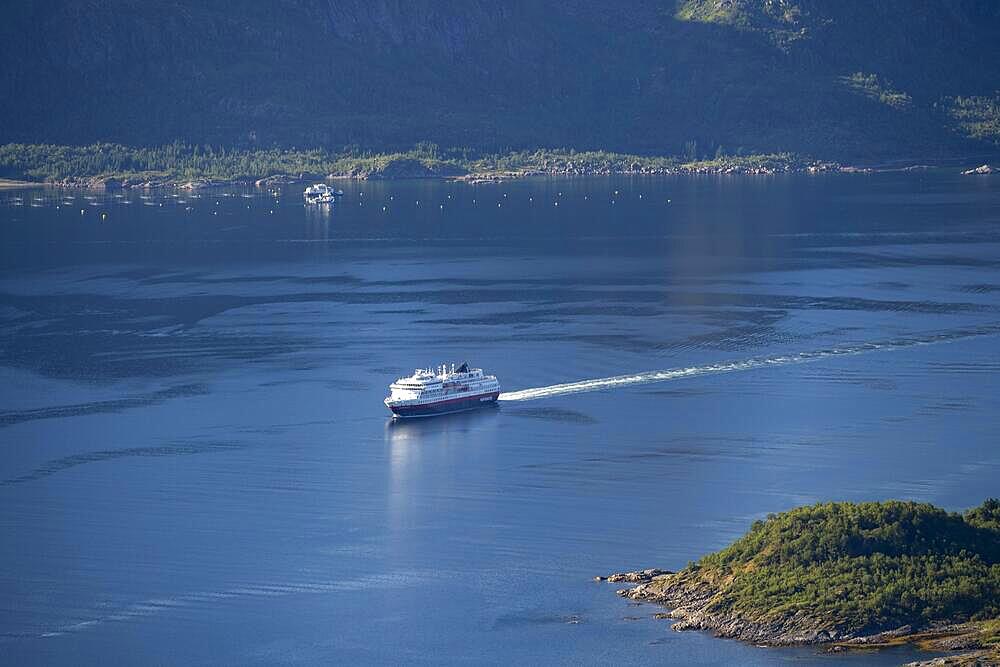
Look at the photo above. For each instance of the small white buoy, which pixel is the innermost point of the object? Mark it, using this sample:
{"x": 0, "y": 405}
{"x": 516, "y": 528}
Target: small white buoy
{"x": 557, "y": 203}
{"x": 385, "y": 208}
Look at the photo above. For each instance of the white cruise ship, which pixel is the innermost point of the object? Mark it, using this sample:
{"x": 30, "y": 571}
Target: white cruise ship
{"x": 436, "y": 392}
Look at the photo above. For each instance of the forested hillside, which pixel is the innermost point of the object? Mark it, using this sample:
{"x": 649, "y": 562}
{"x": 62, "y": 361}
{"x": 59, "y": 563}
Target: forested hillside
{"x": 844, "y": 572}
{"x": 839, "y": 80}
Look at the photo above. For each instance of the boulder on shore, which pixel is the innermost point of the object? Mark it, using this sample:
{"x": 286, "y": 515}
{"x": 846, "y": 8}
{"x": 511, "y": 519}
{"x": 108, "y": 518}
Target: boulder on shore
{"x": 201, "y": 184}
{"x": 636, "y": 577}
{"x": 981, "y": 169}
{"x": 286, "y": 179}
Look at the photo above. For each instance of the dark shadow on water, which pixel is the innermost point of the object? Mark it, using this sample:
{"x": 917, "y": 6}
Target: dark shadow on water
{"x": 96, "y": 407}
{"x": 550, "y": 414}
{"x": 66, "y": 462}
{"x": 535, "y": 617}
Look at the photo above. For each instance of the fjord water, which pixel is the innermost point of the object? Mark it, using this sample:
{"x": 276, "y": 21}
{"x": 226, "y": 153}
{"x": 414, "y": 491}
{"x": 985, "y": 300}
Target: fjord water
{"x": 197, "y": 468}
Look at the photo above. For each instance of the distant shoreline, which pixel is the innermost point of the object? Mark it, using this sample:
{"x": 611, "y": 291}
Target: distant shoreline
{"x": 11, "y": 184}
{"x": 181, "y": 166}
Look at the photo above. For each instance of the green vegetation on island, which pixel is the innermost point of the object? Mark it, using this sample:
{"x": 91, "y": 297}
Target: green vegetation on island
{"x": 864, "y": 574}
{"x": 178, "y": 163}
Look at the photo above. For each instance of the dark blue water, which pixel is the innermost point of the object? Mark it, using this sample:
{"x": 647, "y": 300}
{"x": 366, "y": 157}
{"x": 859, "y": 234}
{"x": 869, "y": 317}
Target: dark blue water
{"x": 196, "y": 467}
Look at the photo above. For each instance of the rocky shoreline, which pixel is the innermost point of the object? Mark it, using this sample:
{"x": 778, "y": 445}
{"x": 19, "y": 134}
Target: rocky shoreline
{"x": 410, "y": 171}
{"x": 411, "y": 168}
{"x": 689, "y": 599}
{"x": 192, "y": 167}
{"x": 982, "y": 169}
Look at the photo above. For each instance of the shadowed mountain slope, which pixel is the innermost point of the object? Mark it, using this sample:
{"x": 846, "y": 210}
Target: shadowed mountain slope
{"x": 841, "y": 80}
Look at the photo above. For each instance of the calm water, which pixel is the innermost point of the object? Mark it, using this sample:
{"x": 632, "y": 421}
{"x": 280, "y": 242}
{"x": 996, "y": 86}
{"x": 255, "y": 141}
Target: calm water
{"x": 196, "y": 467}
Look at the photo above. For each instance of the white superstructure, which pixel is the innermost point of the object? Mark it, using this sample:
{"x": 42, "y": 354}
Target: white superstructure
{"x": 431, "y": 392}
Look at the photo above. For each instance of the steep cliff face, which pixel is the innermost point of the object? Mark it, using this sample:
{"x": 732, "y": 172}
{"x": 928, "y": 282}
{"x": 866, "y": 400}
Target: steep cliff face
{"x": 833, "y": 79}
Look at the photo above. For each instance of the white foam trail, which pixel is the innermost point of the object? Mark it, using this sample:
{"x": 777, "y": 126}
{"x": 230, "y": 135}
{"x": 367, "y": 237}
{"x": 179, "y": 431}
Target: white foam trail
{"x": 616, "y": 381}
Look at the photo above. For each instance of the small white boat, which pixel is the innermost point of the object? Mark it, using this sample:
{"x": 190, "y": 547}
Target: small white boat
{"x": 321, "y": 193}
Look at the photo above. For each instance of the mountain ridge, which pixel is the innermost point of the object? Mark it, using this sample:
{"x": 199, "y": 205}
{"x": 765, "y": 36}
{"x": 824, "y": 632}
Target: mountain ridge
{"x": 695, "y": 77}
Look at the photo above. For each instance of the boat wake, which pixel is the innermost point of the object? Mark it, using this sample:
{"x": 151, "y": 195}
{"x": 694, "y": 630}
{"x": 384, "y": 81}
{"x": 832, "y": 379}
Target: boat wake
{"x": 600, "y": 384}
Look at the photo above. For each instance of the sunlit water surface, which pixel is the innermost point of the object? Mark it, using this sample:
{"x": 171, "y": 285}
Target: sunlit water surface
{"x": 196, "y": 466}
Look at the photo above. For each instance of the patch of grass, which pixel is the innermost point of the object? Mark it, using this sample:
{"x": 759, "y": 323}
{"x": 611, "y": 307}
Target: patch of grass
{"x": 877, "y": 89}
{"x": 781, "y": 22}
{"x": 724, "y": 12}
{"x": 977, "y": 117}
{"x": 990, "y": 632}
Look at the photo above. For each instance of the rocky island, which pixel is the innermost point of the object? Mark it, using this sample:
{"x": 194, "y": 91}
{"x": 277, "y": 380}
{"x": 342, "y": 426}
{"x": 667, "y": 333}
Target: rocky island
{"x": 849, "y": 577}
